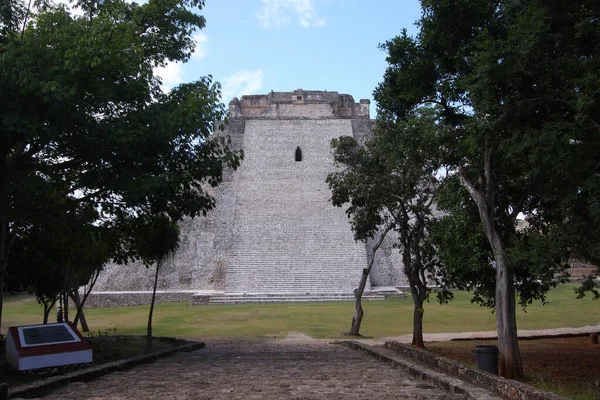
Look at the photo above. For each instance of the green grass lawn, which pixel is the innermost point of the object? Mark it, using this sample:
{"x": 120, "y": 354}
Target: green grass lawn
{"x": 320, "y": 320}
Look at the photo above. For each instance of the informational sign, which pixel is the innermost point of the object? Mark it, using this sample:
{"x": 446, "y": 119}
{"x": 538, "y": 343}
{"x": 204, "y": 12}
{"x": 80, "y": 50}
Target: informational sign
{"x": 46, "y": 334}
{"x": 50, "y": 345}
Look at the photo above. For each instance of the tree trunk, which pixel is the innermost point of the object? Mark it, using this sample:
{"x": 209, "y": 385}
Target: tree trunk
{"x": 65, "y": 298}
{"x": 510, "y": 364}
{"x": 149, "y": 330}
{"x": 85, "y": 296}
{"x": 358, "y": 310}
{"x": 79, "y": 315}
{"x": 417, "y": 340}
{"x": 3, "y": 261}
{"x": 47, "y": 309}
{"x": 358, "y": 292}
{"x": 418, "y": 294}
{"x": 417, "y": 291}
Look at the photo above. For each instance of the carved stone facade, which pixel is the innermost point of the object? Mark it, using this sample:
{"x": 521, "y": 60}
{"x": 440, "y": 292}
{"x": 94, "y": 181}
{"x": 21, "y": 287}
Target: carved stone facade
{"x": 274, "y": 229}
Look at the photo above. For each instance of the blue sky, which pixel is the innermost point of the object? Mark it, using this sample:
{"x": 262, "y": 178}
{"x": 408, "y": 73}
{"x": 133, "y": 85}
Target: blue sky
{"x": 255, "y": 46}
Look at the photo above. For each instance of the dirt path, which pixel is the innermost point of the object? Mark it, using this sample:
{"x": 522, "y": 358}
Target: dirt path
{"x": 298, "y": 337}
{"x": 522, "y": 333}
{"x": 258, "y": 370}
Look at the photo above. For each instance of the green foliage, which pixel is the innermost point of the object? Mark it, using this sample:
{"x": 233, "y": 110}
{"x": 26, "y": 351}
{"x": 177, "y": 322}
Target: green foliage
{"x": 82, "y": 111}
{"x": 390, "y": 184}
{"x": 516, "y": 81}
{"x": 465, "y": 252}
{"x": 83, "y": 119}
{"x": 154, "y": 238}
{"x": 537, "y": 258}
{"x": 57, "y": 253}
{"x": 589, "y": 285}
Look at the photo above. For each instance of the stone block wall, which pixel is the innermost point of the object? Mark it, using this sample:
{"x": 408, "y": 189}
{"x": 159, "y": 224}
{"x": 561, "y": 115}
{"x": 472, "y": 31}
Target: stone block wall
{"x": 299, "y": 104}
{"x": 201, "y": 260}
{"x": 112, "y": 299}
{"x": 273, "y": 228}
{"x": 288, "y": 236}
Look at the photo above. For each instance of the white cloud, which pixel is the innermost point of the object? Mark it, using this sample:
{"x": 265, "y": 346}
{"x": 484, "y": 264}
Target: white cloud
{"x": 200, "y": 39}
{"x": 171, "y": 74}
{"x": 241, "y": 83}
{"x": 275, "y": 13}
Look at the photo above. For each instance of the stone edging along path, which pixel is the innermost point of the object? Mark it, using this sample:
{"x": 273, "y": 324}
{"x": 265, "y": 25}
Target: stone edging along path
{"x": 43, "y": 386}
{"x": 454, "y": 375}
{"x": 418, "y": 370}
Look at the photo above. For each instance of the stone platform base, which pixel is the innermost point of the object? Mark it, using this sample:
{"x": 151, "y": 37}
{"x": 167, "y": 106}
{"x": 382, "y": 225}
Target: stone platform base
{"x": 236, "y": 298}
{"x": 115, "y": 299}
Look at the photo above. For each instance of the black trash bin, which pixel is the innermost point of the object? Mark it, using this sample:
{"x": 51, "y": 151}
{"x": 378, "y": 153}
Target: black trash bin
{"x": 487, "y": 358}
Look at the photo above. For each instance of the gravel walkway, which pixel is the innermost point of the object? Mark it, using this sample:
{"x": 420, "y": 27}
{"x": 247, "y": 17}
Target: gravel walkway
{"x": 297, "y": 367}
{"x": 261, "y": 370}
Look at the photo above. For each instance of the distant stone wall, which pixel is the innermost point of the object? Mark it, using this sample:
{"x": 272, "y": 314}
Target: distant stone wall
{"x": 388, "y": 269}
{"x": 307, "y": 104}
{"x": 113, "y": 299}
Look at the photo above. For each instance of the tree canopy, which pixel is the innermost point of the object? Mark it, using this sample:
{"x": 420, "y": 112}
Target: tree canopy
{"x": 517, "y": 83}
{"x": 83, "y": 118}
{"x": 57, "y": 253}
{"x": 389, "y": 185}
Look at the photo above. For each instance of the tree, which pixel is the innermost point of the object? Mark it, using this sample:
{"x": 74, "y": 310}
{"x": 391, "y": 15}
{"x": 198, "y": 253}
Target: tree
{"x": 155, "y": 238}
{"x": 517, "y": 83}
{"x": 390, "y": 185}
{"x": 537, "y": 258}
{"x": 83, "y": 119}
{"x": 78, "y": 250}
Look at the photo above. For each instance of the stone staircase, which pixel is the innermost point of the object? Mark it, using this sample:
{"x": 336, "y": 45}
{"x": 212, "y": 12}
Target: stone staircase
{"x": 288, "y": 237}
{"x": 243, "y": 298}
{"x": 305, "y": 259}
{"x": 135, "y": 298}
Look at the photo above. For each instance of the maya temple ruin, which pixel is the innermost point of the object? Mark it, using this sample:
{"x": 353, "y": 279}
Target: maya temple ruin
{"x": 274, "y": 234}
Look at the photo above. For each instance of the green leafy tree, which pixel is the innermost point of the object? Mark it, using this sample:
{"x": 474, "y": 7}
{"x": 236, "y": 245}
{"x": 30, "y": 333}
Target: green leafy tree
{"x": 517, "y": 83}
{"x": 389, "y": 185}
{"x": 156, "y": 236}
{"x": 83, "y": 118}
{"x": 76, "y": 251}
{"x": 537, "y": 258}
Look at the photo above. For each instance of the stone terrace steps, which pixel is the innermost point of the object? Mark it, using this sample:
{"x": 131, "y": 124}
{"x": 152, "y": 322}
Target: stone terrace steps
{"x": 134, "y": 298}
{"x": 237, "y": 298}
{"x": 295, "y": 283}
{"x": 288, "y": 237}
{"x": 293, "y": 261}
